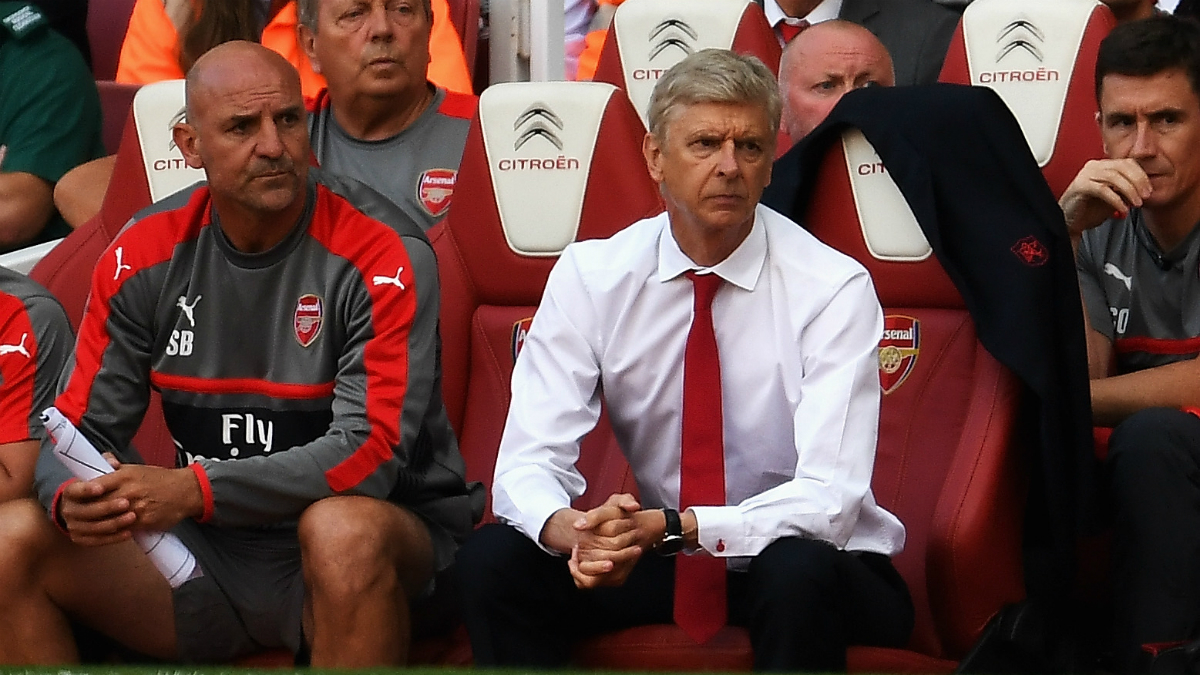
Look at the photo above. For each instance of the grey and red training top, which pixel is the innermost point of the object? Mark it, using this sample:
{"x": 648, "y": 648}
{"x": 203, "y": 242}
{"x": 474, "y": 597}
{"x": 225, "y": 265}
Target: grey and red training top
{"x": 308, "y": 370}
{"x": 35, "y": 342}
{"x": 1144, "y": 299}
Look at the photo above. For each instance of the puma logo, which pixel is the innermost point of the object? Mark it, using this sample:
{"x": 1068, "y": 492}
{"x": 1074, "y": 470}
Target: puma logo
{"x": 18, "y": 348}
{"x": 187, "y": 309}
{"x": 1115, "y": 272}
{"x": 121, "y": 252}
{"x": 380, "y": 280}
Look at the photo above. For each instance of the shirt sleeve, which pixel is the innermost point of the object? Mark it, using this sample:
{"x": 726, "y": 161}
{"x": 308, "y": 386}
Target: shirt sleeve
{"x": 1087, "y": 265}
{"x": 106, "y": 389}
{"x": 555, "y": 403}
{"x": 836, "y": 428}
{"x": 49, "y": 107}
{"x": 385, "y": 381}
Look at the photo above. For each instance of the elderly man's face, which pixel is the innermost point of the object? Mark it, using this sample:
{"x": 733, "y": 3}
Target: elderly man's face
{"x": 827, "y": 64}
{"x": 713, "y": 165}
{"x": 1156, "y": 121}
{"x": 370, "y": 47}
{"x": 246, "y": 129}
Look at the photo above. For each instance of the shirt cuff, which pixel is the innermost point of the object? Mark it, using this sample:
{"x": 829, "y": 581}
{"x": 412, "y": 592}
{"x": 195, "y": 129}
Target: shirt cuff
{"x": 721, "y": 532}
{"x": 55, "y": 516}
{"x": 205, "y": 491}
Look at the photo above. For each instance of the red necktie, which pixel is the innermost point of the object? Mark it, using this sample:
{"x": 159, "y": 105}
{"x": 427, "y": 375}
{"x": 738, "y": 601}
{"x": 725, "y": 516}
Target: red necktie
{"x": 700, "y": 579}
{"x": 790, "y": 30}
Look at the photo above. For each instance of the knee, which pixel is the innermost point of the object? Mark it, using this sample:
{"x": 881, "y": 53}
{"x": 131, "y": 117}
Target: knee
{"x": 794, "y": 571}
{"x": 25, "y": 534}
{"x": 345, "y": 549}
{"x": 1154, "y": 440}
{"x": 489, "y": 557}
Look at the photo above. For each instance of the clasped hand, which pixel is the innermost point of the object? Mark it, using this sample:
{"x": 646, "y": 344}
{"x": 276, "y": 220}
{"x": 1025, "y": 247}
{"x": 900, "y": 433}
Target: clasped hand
{"x": 108, "y": 509}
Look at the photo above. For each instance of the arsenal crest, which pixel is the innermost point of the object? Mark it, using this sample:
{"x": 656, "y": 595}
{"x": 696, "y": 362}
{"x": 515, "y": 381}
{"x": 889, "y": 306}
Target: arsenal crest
{"x": 519, "y": 331}
{"x": 434, "y": 190}
{"x": 1031, "y": 251}
{"x": 308, "y": 318}
{"x": 898, "y": 350}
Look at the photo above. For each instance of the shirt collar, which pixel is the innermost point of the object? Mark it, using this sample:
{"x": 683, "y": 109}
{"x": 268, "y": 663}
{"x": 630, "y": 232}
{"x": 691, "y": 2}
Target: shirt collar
{"x": 828, "y": 9}
{"x": 741, "y": 268}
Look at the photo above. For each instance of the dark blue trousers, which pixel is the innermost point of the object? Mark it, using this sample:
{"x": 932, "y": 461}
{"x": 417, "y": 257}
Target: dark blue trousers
{"x": 802, "y": 600}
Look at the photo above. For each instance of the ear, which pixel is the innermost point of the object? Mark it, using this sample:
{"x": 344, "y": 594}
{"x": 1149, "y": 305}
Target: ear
{"x": 652, "y": 151}
{"x": 308, "y": 42}
{"x": 188, "y": 143}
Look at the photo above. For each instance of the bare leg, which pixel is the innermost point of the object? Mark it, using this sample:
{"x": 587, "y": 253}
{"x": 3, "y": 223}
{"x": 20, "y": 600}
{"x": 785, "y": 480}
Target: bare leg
{"x": 364, "y": 560}
{"x": 44, "y": 578}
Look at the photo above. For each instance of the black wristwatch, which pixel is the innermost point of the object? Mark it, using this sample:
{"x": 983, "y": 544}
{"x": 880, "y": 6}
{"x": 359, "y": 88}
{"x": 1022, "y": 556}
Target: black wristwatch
{"x": 672, "y": 541}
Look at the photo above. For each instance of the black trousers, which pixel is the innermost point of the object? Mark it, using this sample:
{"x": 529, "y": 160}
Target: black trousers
{"x": 1154, "y": 474}
{"x": 802, "y": 600}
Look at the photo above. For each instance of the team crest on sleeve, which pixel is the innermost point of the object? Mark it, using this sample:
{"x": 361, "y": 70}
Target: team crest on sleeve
{"x": 434, "y": 190}
{"x": 519, "y": 330}
{"x": 898, "y": 350}
{"x": 308, "y": 318}
{"x": 1031, "y": 251}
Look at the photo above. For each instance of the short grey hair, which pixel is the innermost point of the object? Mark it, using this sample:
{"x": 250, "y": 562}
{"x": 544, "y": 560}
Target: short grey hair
{"x": 306, "y": 11}
{"x": 713, "y": 76}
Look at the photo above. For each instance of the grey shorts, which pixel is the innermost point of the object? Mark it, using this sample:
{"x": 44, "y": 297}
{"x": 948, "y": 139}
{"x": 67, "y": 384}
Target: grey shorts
{"x": 250, "y": 596}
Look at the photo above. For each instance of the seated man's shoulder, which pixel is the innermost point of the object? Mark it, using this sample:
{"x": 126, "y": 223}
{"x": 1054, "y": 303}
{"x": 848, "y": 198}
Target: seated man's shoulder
{"x": 632, "y": 248}
{"x": 801, "y": 256}
{"x": 370, "y": 203}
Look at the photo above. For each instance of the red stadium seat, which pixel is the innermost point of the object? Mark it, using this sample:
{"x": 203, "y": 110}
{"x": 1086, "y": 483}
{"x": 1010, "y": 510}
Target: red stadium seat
{"x": 1040, "y": 57}
{"x": 107, "y": 21}
{"x": 948, "y": 463}
{"x": 115, "y": 102}
{"x": 148, "y": 167}
{"x": 545, "y": 164}
{"x": 649, "y": 36}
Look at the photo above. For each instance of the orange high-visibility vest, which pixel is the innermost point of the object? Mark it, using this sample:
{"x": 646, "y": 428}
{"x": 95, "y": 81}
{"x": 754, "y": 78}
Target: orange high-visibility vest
{"x": 150, "y": 52}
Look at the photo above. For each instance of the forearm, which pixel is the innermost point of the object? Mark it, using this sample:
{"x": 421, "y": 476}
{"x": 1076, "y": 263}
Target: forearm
{"x": 26, "y": 203}
{"x": 1176, "y": 385}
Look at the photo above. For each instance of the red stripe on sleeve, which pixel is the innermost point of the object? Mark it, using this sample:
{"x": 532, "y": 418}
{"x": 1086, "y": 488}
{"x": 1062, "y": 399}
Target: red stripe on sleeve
{"x": 18, "y": 370}
{"x": 375, "y": 250}
{"x": 458, "y": 105}
{"x": 205, "y": 385}
{"x": 55, "y": 516}
{"x": 1150, "y": 345}
{"x": 205, "y": 491}
{"x": 146, "y": 243}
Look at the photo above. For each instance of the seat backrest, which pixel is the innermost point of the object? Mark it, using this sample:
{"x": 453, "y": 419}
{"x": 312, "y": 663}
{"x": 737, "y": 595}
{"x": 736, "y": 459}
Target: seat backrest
{"x": 945, "y": 464}
{"x": 107, "y": 21}
{"x": 647, "y": 37}
{"x": 147, "y": 168}
{"x": 115, "y": 102}
{"x": 1040, "y": 57}
{"x": 545, "y": 164}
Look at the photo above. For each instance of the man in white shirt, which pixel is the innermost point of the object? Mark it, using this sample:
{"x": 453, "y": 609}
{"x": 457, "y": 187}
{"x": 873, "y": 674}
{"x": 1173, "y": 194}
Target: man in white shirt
{"x": 769, "y": 399}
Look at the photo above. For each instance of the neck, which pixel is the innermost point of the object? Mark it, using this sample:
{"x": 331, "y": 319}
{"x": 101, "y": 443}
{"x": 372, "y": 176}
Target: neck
{"x": 370, "y": 118}
{"x": 254, "y": 231}
{"x": 1170, "y": 226}
{"x": 798, "y": 8}
{"x": 1141, "y": 10}
{"x": 707, "y": 248}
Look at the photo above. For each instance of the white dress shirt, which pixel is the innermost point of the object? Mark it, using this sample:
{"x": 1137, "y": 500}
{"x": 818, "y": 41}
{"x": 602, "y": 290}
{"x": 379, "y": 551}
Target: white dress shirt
{"x": 827, "y": 10}
{"x": 797, "y": 327}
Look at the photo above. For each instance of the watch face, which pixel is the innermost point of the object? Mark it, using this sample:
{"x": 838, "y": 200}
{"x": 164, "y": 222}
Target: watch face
{"x": 670, "y": 545}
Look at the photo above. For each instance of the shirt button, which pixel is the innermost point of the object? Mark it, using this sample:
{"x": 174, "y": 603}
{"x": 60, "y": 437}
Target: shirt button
{"x": 720, "y": 546}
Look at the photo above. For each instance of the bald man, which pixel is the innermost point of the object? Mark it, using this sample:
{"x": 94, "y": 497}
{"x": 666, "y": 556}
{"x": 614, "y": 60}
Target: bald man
{"x": 822, "y": 64}
{"x": 288, "y": 319}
